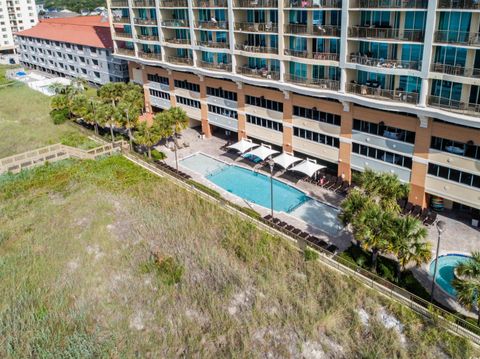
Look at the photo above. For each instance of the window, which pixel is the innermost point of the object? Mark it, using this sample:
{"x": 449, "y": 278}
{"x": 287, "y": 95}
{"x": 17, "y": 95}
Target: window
{"x": 382, "y": 155}
{"x": 262, "y": 102}
{"x": 219, "y": 92}
{"x": 384, "y": 131}
{"x": 316, "y": 137}
{"x": 187, "y": 85}
{"x": 188, "y": 102}
{"x": 160, "y": 94}
{"x": 273, "y": 125}
{"x": 158, "y": 79}
{"x": 314, "y": 114}
{"x": 454, "y": 175}
{"x": 223, "y": 111}
{"x": 455, "y": 147}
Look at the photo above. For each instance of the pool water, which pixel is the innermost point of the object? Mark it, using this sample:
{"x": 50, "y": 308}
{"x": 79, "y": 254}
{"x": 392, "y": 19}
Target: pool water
{"x": 255, "y": 188}
{"x": 445, "y": 268}
{"x": 21, "y": 73}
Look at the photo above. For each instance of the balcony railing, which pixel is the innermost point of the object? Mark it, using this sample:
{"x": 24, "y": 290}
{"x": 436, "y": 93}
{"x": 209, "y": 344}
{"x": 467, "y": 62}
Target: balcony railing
{"x": 259, "y": 73}
{"x": 150, "y": 55}
{"x": 122, "y": 35}
{"x": 324, "y": 84}
{"x": 458, "y": 4}
{"x": 147, "y": 37}
{"x": 390, "y": 4}
{"x": 455, "y": 70}
{"x": 178, "y": 41}
{"x": 173, "y": 3}
{"x": 385, "y": 63}
{"x": 313, "y": 4}
{"x": 257, "y": 49}
{"x": 121, "y": 20}
{"x": 386, "y": 33}
{"x": 215, "y": 45}
{"x": 211, "y": 25}
{"x": 256, "y": 27}
{"x": 144, "y": 3}
{"x": 210, "y": 3}
{"x": 140, "y": 21}
{"x": 119, "y": 3}
{"x": 180, "y": 60}
{"x": 381, "y": 94}
{"x": 256, "y": 3}
{"x": 219, "y": 66}
{"x": 175, "y": 23}
{"x": 124, "y": 51}
{"x": 454, "y": 106}
{"x": 318, "y": 30}
{"x": 458, "y": 37}
{"x": 312, "y": 55}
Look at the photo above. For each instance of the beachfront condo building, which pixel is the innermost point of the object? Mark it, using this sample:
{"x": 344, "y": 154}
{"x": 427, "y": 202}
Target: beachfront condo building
{"x": 15, "y": 15}
{"x": 391, "y": 85}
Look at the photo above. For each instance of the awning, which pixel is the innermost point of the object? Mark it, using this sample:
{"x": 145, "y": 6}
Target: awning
{"x": 285, "y": 160}
{"x": 243, "y": 145}
{"x": 308, "y": 167}
{"x": 262, "y": 152}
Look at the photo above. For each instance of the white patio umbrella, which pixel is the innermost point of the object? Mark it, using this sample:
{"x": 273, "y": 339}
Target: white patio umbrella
{"x": 308, "y": 167}
{"x": 285, "y": 160}
{"x": 243, "y": 145}
{"x": 262, "y": 152}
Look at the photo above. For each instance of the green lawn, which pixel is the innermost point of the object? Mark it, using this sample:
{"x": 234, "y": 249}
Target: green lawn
{"x": 25, "y": 123}
{"x": 102, "y": 259}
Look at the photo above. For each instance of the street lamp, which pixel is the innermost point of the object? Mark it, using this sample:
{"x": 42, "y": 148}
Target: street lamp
{"x": 440, "y": 229}
{"x": 271, "y": 164}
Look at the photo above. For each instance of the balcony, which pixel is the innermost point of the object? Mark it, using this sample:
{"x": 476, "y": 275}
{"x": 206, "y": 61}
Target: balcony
{"x": 256, "y": 27}
{"x": 312, "y": 55}
{"x": 259, "y": 73}
{"x": 119, "y": 3}
{"x": 384, "y": 95}
{"x": 386, "y": 33}
{"x": 173, "y": 3}
{"x": 315, "y": 4}
{"x": 256, "y": 3}
{"x": 210, "y": 3}
{"x": 121, "y": 20}
{"x": 180, "y": 60}
{"x": 148, "y": 37}
{"x": 324, "y": 84}
{"x": 144, "y": 3}
{"x": 218, "y": 25}
{"x": 385, "y": 63}
{"x": 458, "y": 4}
{"x": 150, "y": 56}
{"x": 139, "y": 21}
{"x": 214, "y": 66}
{"x": 257, "y": 49}
{"x": 317, "y": 30}
{"x": 390, "y": 4}
{"x": 457, "y": 37}
{"x": 178, "y": 41}
{"x": 471, "y": 109}
{"x": 455, "y": 70}
{"x": 124, "y": 51}
{"x": 214, "y": 45}
{"x": 122, "y": 35}
{"x": 175, "y": 23}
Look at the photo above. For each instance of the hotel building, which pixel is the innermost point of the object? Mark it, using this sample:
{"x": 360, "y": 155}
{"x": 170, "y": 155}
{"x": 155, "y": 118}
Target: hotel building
{"x": 15, "y": 15}
{"x": 392, "y": 85}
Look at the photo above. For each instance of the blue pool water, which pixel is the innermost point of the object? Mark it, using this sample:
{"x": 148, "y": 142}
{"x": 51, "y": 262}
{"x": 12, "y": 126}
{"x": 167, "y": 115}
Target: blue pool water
{"x": 255, "y": 188}
{"x": 21, "y": 73}
{"x": 445, "y": 268}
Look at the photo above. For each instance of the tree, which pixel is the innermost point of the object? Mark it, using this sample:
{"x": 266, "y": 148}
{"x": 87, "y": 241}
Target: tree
{"x": 467, "y": 283}
{"x": 352, "y": 206}
{"x": 130, "y": 107}
{"x": 149, "y": 135}
{"x": 107, "y": 117}
{"x": 409, "y": 242}
{"x": 177, "y": 119}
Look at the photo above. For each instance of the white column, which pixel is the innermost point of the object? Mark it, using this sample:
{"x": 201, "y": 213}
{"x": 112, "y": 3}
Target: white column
{"x": 281, "y": 39}
{"x": 231, "y": 34}
{"x": 191, "y": 23}
{"x": 343, "y": 45}
{"x": 430, "y": 28}
{"x": 161, "y": 37}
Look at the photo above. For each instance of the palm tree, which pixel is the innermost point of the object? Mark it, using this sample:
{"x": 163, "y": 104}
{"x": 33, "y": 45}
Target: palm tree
{"x": 467, "y": 283}
{"x": 107, "y": 116}
{"x": 149, "y": 135}
{"x": 178, "y": 120}
{"x": 130, "y": 108}
{"x": 352, "y": 205}
{"x": 409, "y": 242}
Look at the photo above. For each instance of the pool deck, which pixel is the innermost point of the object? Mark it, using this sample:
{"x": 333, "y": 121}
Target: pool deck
{"x": 459, "y": 237}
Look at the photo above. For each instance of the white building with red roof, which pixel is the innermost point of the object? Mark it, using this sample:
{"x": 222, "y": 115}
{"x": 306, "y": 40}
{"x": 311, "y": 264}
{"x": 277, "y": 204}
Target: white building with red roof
{"x": 76, "y": 47}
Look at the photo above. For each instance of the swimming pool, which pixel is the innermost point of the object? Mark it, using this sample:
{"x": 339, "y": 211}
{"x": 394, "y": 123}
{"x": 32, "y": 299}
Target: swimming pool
{"x": 21, "y": 73}
{"x": 445, "y": 268}
{"x": 255, "y": 188}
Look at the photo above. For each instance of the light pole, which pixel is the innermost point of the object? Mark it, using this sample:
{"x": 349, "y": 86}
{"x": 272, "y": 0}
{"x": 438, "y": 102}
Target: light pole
{"x": 440, "y": 228}
{"x": 271, "y": 164}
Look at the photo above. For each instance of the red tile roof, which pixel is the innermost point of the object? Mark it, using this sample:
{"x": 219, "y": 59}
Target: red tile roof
{"x": 82, "y": 30}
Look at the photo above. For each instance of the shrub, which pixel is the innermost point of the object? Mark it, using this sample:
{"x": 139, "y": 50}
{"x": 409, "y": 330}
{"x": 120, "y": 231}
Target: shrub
{"x": 386, "y": 272}
{"x": 167, "y": 269}
{"x": 157, "y": 155}
{"x": 59, "y": 116}
{"x": 310, "y": 255}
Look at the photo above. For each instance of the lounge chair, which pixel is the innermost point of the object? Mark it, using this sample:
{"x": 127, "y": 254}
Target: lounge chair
{"x": 417, "y": 210}
{"x": 408, "y": 208}
{"x": 344, "y": 187}
{"x": 304, "y": 235}
{"x": 332, "y": 248}
{"x": 268, "y": 217}
{"x": 282, "y": 224}
{"x": 296, "y": 231}
{"x": 276, "y": 221}
{"x": 289, "y": 227}
{"x": 401, "y": 203}
{"x": 432, "y": 217}
{"x": 424, "y": 214}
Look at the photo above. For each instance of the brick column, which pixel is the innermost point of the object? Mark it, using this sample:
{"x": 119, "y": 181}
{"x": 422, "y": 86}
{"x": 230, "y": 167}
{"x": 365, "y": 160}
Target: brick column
{"x": 287, "y": 122}
{"x": 206, "y": 128}
{"x": 242, "y": 130}
{"x": 171, "y": 84}
{"x": 420, "y": 162}
{"x": 345, "y": 149}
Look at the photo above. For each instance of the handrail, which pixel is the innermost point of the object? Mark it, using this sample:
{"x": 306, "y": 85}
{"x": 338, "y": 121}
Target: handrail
{"x": 385, "y": 63}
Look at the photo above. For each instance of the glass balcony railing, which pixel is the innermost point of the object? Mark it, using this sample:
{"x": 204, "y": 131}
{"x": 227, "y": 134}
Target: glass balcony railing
{"x": 216, "y": 66}
{"x": 139, "y": 21}
{"x": 211, "y": 25}
{"x": 256, "y": 27}
{"x": 258, "y": 73}
{"x": 385, "y": 63}
{"x": 124, "y": 51}
{"x": 150, "y": 56}
{"x": 386, "y": 33}
{"x": 180, "y": 60}
{"x": 177, "y": 41}
{"x": 119, "y": 3}
{"x": 173, "y": 3}
{"x": 458, "y": 4}
{"x": 143, "y": 3}
{"x": 257, "y": 49}
{"x": 175, "y": 23}
{"x": 318, "y": 30}
{"x": 390, "y": 4}
{"x": 454, "y": 105}
{"x": 383, "y": 94}
{"x": 312, "y": 55}
{"x": 147, "y": 37}
{"x": 324, "y": 84}
{"x": 121, "y": 20}
{"x": 256, "y": 3}
{"x": 213, "y": 44}
{"x": 455, "y": 70}
{"x": 122, "y": 35}
{"x": 336, "y": 4}
{"x": 210, "y": 3}
{"x": 457, "y": 37}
